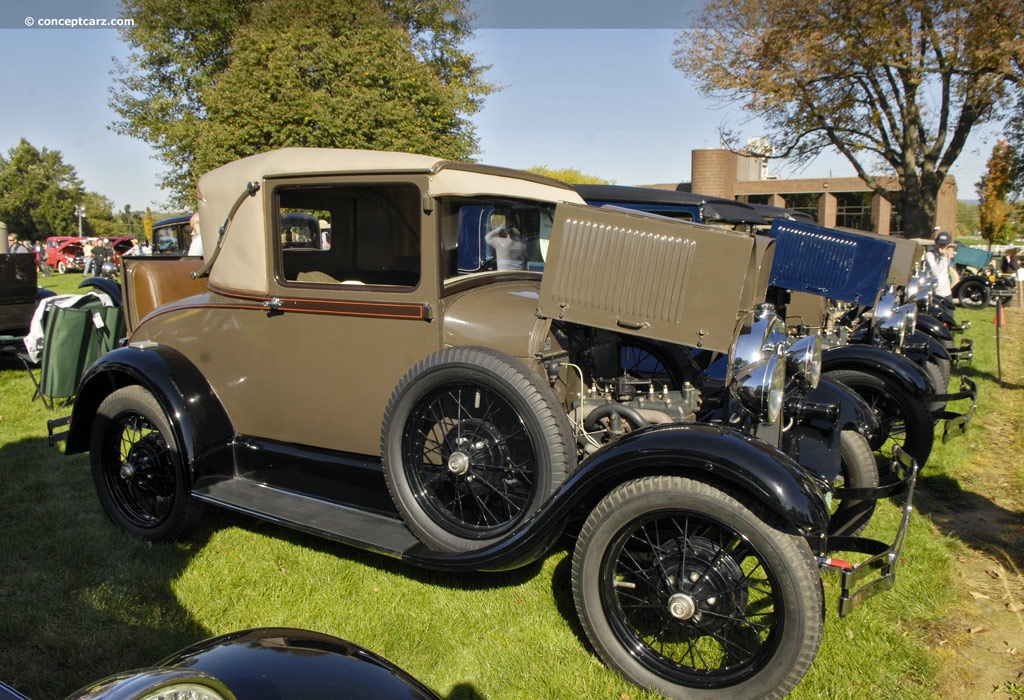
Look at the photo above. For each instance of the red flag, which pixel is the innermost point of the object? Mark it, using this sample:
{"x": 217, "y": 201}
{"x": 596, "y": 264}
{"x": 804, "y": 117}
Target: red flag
{"x": 1000, "y": 320}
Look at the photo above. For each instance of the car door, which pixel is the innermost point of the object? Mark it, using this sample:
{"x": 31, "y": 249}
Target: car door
{"x": 347, "y": 315}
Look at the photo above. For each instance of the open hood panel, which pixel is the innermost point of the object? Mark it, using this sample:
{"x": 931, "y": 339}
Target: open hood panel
{"x": 829, "y": 262}
{"x": 659, "y": 278}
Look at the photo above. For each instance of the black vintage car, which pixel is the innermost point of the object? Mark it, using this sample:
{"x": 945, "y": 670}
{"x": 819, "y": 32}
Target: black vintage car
{"x": 269, "y": 663}
{"x": 18, "y": 297}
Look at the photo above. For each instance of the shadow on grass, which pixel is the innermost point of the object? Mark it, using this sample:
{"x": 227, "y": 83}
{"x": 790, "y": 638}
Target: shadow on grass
{"x": 80, "y": 600}
{"x": 469, "y": 581}
{"x": 973, "y": 519}
{"x": 976, "y": 374}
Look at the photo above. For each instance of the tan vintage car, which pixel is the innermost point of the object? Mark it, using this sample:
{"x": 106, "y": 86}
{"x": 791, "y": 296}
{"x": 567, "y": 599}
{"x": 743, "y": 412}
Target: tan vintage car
{"x": 404, "y": 379}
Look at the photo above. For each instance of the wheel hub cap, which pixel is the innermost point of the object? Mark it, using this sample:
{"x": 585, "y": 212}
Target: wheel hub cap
{"x": 681, "y": 606}
{"x": 458, "y": 463}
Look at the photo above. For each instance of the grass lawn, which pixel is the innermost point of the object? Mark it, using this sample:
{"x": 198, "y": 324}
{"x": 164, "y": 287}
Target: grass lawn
{"x": 80, "y": 600}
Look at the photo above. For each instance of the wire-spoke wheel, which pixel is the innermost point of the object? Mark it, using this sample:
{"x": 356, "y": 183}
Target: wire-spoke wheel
{"x": 973, "y": 294}
{"x": 473, "y": 443}
{"x": 652, "y": 361}
{"x": 905, "y": 419}
{"x": 135, "y": 470}
{"x": 682, "y": 588}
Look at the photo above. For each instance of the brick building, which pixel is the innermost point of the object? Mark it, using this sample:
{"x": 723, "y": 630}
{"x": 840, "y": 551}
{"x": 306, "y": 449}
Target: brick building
{"x": 846, "y": 202}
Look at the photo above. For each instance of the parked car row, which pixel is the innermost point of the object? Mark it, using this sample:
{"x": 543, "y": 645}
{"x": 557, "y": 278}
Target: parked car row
{"x": 67, "y": 253}
{"x": 501, "y": 363}
{"x": 983, "y": 277}
{"x": 850, "y": 289}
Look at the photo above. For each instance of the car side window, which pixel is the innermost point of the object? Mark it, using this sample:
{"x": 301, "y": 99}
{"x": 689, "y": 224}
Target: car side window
{"x": 483, "y": 234}
{"x": 349, "y": 235}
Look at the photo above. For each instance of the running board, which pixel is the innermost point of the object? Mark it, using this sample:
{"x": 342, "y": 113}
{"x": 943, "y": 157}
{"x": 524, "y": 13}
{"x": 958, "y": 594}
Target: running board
{"x": 360, "y": 528}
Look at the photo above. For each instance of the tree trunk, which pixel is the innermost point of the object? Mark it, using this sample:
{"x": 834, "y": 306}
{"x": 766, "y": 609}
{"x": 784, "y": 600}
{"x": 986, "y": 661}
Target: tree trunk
{"x": 918, "y": 204}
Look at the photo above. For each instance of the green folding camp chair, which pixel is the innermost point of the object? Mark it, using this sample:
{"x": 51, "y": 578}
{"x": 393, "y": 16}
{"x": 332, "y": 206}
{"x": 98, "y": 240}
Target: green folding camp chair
{"x": 74, "y": 337}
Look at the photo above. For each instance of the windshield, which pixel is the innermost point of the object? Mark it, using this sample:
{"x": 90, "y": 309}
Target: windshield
{"x": 496, "y": 234}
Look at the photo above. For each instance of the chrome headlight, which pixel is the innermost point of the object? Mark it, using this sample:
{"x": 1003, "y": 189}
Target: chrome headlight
{"x": 761, "y": 335}
{"x": 909, "y": 318}
{"x": 757, "y": 373}
{"x": 897, "y": 326}
{"x": 761, "y": 387}
{"x": 920, "y": 289}
{"x": 913, "y": 287}
{"x": 886, "y": 306}
{"x": 157, "y": 684}
{"x": 803, "y": 360}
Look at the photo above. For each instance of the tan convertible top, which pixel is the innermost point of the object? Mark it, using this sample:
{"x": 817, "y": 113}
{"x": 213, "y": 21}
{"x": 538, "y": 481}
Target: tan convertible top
{"x": 242, "y": 262}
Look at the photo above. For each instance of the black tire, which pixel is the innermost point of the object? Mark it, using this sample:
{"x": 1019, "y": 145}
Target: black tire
{"x": 905, "y": 419}
{"x": 945, "y": 368}
{"x": 859, "y": 470}
{"x": 682, "y": 588}
{"x": 938, "y": 371}
{"x": 136, "y": 468}
{"x": 973, "y": 294}
{"x": 473, "y": 442}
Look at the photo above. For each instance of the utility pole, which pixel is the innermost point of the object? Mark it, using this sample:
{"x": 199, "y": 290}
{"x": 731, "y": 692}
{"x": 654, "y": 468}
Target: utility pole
{"x": 79, "y": 212}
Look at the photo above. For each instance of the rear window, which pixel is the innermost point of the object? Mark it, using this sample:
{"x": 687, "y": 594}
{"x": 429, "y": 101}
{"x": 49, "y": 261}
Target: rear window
{"x": 349, "y": 235}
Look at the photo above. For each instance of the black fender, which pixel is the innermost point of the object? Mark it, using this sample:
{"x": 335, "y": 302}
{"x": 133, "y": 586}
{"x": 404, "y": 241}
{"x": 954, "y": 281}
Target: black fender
{"x": 873, "y": 360}
{"x": 198, "y": 419}
{"x": 109, "y": 287}
{"x": 749, "y": 468}
{"x": 821, "y": 414}
{"x": 968, "y": 278}
{"x": 939, "y": 309}
{"x": 931, "y": 326}
{"x": 269, "y": 662}
{"x": 854, "y": 412}
{"x": 921, "y": 347}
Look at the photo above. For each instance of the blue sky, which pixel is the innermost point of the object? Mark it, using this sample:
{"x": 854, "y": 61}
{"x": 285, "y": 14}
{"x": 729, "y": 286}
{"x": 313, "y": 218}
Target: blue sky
{"x": 588, "y": 84}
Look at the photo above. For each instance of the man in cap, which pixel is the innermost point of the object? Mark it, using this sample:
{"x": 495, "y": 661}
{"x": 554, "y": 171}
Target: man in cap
{"x": 937, "y": 258}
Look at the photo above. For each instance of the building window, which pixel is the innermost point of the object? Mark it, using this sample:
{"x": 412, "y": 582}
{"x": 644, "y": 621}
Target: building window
{"x": 895, "y": 223}
{"x": 804, "y": 202}
{"x": 853, "y": 210}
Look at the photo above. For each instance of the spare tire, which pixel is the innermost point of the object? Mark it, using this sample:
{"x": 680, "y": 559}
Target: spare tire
{"x": 472, "y": 443}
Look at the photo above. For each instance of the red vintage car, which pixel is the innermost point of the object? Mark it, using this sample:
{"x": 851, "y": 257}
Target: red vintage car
{"x": 64, "y": 253}
{"x": 120, "y": 245}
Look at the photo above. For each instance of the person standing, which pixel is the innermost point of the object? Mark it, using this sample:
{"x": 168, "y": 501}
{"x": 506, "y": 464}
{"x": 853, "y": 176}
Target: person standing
{"x": 938, "y": 258}
{"x": 196, "y": 246}
{"x": 511, "y": 248}
{"x": 87, "y": 254}
{"x": 16, "y": 246}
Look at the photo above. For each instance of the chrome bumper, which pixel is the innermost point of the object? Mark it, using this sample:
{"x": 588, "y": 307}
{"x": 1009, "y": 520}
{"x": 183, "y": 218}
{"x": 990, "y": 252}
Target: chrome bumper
{"x": 877, "y": 573}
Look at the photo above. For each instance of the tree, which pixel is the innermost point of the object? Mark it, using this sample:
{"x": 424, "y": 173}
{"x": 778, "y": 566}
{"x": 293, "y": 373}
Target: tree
{"x": 1015, "y": 136}
{"x": 191, "y": 59}
{"x": 38, "y": 192}
{"x": 891, "y": 84}
{"x": 128, "y": 217}
{"x": 570, "y": 175}
{"x": 994, "y": 188}
{"x": 284, "y": 87}
{"x": 966, "y": 219}
{"x": 147, "y": 225}
{"x": 99, "y": 216}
